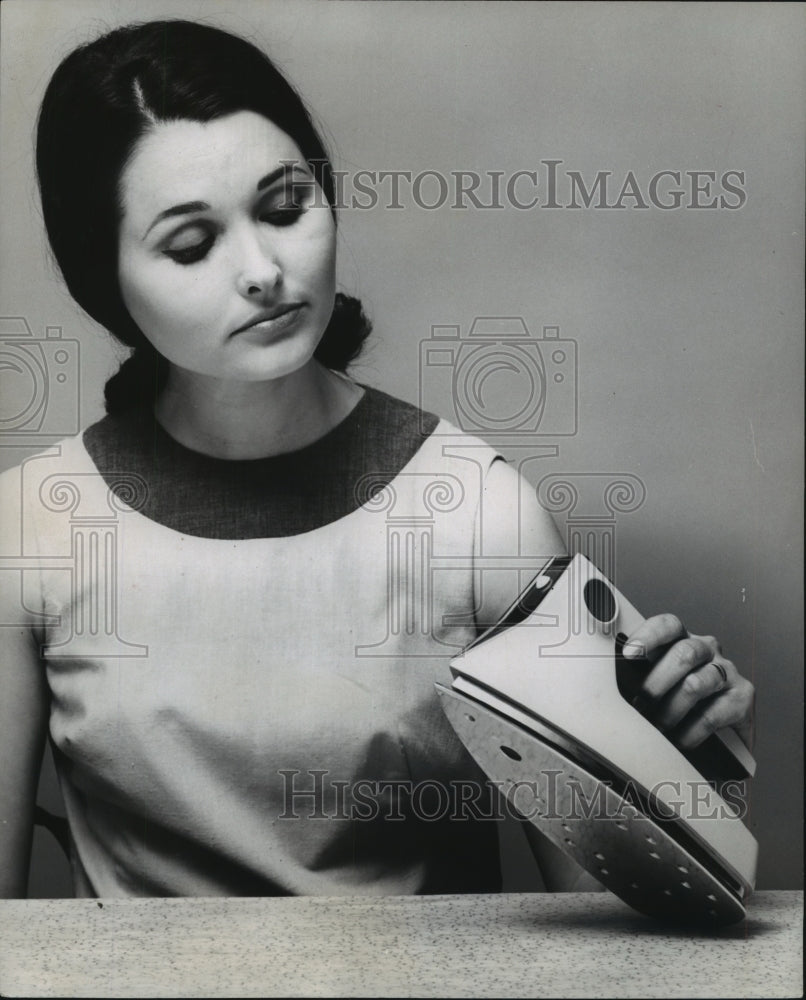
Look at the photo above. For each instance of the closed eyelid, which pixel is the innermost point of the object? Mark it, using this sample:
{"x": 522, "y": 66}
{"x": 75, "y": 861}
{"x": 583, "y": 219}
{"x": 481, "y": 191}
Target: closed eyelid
{"x": 295, "y": 189}
{"x": 273, "y": 198}
{"x": 279, "y": 206}
{"x": 204, "y": 231}
{"x": 188, "y": 208}
{"x": 289, "y": 173}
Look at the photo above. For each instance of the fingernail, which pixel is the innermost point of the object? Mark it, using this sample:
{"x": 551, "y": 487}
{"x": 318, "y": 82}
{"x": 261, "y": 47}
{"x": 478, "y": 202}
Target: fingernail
{"x": 632, "y": 650}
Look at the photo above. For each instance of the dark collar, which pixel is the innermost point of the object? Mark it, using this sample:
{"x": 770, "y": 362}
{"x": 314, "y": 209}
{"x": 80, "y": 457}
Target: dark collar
{"x": 283, "y": 495}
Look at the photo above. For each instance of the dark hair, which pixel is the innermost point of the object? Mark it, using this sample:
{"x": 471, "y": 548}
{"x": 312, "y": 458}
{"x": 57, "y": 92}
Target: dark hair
{"x": 102, "y": 98}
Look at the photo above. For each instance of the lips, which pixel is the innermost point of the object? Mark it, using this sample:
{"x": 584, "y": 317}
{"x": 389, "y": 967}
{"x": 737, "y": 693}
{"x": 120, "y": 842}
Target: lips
{"x": 277, "y": 315}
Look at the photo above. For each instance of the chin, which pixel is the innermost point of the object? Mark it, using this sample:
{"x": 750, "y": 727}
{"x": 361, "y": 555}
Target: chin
{"x": 278, "y": 363}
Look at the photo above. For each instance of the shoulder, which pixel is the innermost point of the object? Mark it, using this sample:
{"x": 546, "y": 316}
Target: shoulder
{"x": 400, "y": 427}
{"x": 391, "y": 426}
{"x": 389, "y": 436}
{"x": 68, "y": 452}
{"x": 38, "y": 484}
{"x": 42, "y": 480}
{"x": 511, "y": 519}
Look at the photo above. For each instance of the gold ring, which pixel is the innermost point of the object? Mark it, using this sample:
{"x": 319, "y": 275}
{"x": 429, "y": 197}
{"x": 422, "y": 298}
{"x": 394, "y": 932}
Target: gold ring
{"x": 722, "y": 673}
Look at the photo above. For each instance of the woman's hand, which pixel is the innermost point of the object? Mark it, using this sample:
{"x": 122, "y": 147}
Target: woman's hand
{"x": 692, "y": 690}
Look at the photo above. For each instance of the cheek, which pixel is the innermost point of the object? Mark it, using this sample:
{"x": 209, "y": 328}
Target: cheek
{"x": 162, "y": 302}
{"x": 318, "y": 259}
{"x": 139, "y": 304}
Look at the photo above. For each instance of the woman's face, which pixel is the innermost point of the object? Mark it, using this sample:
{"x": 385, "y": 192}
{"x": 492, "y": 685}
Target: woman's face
{"x": 227, "y": 254}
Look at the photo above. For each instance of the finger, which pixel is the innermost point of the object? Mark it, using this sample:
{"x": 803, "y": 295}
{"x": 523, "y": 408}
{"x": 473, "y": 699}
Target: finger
{"x": 695, "y": 687}
{"x": 654, "y": 633}
{"x": 731, "y": 707}
{"x": 680, "y": 659}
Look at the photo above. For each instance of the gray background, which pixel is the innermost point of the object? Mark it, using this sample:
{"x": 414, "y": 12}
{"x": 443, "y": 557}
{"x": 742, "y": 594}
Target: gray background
{"x": 688, "y": 323}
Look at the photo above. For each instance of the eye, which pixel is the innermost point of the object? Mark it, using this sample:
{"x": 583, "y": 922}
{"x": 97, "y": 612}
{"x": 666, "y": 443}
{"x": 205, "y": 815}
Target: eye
{"x": 189, "y": 246}
{"x": 282, "y": 216}
{"x": 285, "y": 206}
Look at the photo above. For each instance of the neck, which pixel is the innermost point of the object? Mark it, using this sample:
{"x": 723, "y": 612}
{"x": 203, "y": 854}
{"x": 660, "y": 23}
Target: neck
{"x": 244, "y": 420}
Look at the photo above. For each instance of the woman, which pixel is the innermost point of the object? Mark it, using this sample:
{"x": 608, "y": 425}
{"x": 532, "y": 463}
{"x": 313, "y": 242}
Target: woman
{"x": 252, "y": 708}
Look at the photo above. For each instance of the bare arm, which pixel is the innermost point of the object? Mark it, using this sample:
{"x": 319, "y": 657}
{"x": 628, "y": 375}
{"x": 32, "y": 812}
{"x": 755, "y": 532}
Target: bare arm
{"x": 23, "y": 722}
{"x": 23, "y": 706}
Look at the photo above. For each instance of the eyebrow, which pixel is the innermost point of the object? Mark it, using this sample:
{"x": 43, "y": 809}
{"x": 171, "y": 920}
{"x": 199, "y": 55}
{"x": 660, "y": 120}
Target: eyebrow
{"x": 191, "y": 207}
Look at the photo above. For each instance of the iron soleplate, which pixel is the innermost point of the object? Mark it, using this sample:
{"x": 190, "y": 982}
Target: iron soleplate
{"x": 622, "y": 847}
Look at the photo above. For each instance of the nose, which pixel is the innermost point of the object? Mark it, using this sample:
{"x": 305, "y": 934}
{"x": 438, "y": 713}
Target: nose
{"x": 258, "y": 271}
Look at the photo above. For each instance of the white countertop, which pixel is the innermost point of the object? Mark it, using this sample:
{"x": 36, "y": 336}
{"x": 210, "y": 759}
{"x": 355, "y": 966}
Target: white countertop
{"x": 568, "y": 945}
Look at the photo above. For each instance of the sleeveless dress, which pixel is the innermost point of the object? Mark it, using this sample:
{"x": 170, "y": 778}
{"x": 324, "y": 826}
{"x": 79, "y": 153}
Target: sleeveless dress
{"x": 242, "y": 655}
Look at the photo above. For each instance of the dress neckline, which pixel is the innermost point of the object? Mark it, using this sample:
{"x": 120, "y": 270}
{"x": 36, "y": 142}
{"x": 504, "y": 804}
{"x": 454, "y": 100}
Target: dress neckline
{"x": 276, "y": 496}
{"x": 167, "y": 443}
